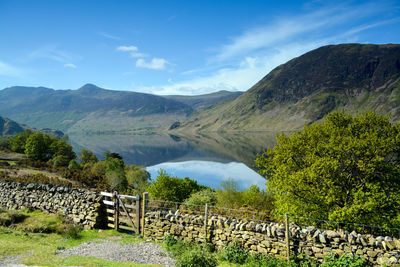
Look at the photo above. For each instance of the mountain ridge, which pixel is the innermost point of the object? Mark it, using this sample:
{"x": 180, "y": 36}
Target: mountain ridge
{"x": 353, "y": 77}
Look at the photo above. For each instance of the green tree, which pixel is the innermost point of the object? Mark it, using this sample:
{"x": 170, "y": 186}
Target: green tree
{"x": 18, "y": 141}
{"x": 62, "y": 152}
{"x": 115, "y": 174}
{"x": 200, "y": 198}
{"x": 174, "y": 189}
{"x": 37, "y": 147}
{"x": 138, "y": 178}
{"x": 88, "y": 159}
{"x": 229, "y": 195}
{"x": 344, "y": 168}
{"x": 257, "y": 199}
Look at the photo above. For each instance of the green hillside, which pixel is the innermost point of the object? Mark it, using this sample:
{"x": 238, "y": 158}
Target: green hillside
{"x": 93, "y": 109}
{"x": 353, "y": 77}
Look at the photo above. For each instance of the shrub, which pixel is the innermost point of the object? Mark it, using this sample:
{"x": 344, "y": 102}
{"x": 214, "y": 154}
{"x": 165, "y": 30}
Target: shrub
{"x": 198, "y": 256}
{"x": 347, "y": 260}
{"x": 235, "y": 253}
{"x": 10, "y": 217}
{"x": 261, "y": 260}
{"x": 202, "y": 197}
{"x": 174, "y": 189}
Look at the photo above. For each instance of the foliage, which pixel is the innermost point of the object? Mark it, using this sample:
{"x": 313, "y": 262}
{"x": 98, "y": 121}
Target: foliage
{"x": 257, "y": 199}
{"x": 262, "y": 260}
{"x": 198, "y": 256}
{"x": 200, "y": 198}
{"x": 37, "y": 146}
{"x": 235, "y": 253}
{"x": 19, "y": 140}
{"x": 115, "y": 174}
{"x": 73, "y": 164}
{"x": 88, "y": 159}
{"x": 138, "y": 178}
{"x": 347, "y": 260}
{"x": 345, "y": 169}
{"x": 228, "y": 195}
{"x": 174, "y": 189}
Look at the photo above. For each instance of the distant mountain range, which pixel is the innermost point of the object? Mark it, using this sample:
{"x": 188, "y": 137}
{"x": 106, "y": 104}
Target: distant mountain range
{"x": 94, "y": 109}
{"x": 353, "y": 77}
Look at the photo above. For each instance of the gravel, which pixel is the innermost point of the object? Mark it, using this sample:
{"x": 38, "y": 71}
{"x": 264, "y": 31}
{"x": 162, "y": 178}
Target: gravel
{"x": 143, "y": 252}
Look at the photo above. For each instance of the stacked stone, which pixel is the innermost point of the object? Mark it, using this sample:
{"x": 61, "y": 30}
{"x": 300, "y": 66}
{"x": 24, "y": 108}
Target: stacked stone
{"x": 269, "y": 237}
{"x": 81, "y": 206}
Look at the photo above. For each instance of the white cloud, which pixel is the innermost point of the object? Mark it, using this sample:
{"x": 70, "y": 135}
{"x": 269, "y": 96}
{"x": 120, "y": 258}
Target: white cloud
{"x": 70, "y": 65}
{"x": 130, "y": 48}
{"x": 53, "y": 53}
{"x": 154, "y": 64}
{"x": 109, "y": 36}
{"x": 8, "y": 70}
{"x": 248, "y": 57}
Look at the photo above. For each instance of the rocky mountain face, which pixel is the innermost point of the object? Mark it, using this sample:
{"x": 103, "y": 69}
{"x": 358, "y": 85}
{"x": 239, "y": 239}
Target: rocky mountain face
{"x": 353, "y": 77}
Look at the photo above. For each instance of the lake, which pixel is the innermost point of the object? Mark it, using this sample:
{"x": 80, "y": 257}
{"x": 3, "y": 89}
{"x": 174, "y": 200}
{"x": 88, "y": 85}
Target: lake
{"x": 208, "y": 158}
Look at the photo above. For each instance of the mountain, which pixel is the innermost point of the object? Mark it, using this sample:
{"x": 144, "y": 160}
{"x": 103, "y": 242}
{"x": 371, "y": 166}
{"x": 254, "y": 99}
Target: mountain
{"x": 88, "y": 108}
{"x": 202, "y": 101}
{"x": 9, "y": 127}
{"x": 354, "y": 77}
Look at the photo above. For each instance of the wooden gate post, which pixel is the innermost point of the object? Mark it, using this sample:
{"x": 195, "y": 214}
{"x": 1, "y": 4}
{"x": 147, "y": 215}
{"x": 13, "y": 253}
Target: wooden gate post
{"x": 144, "y": 208}
{"x": 116, "y": 210}
{"x": 137, "y": 221}
{"x": 287, "y": 238}
{"x": 205, "y": 223}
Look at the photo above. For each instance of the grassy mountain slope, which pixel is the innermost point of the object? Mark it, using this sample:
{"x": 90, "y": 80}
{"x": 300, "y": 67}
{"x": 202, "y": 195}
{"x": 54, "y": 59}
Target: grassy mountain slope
{"x": 354, "y": 77}
{"x": 62, "y": 109}
{"x": 93, "y": 109}
{"x": 202, "y": 101}
{"x": 9, "y": 127}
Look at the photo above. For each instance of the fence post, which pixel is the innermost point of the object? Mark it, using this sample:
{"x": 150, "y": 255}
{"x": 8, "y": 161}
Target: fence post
{"x": 287, "y": 238}
{"x": 205, "y": 223}
{"x": 137, "y": 214}
{"x": 144, "y": 207}
{"x": 116, "y": 210}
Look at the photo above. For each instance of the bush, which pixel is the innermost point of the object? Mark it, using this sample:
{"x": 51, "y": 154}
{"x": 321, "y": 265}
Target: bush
{"x": 198, "y": 256}
{"x": 261, "y": 260}
{"x": 10, "y": 217}
{"x": 235, "y": 253}
{"x": 174, "y": 189}
{"x": 347, "y": 260}
{"x": 201, "y": 198}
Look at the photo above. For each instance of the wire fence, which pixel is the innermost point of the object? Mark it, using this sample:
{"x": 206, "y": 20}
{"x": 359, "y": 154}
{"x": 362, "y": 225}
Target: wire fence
{"x": 237, "y": 216}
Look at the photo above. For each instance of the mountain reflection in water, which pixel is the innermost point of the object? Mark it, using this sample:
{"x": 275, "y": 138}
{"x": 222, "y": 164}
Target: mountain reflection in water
{"x": 208, "y": 158}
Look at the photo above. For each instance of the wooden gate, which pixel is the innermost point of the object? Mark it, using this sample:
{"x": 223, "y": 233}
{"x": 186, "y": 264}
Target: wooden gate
{"x": 123, "y": 211}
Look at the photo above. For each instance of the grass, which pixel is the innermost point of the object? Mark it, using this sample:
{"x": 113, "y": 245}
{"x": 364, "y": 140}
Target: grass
{"x": 37, "y": 236}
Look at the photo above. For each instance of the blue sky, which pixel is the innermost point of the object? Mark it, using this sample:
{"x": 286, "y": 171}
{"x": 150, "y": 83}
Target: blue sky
{"x": 175, "y": 47}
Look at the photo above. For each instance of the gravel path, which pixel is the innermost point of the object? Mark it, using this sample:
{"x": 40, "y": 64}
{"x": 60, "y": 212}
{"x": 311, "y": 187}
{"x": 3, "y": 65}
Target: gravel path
{"x": 143, "y": 252}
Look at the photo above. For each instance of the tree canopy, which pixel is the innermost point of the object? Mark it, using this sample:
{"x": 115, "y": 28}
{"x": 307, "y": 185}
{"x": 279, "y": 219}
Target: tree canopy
{"x": 345, "y": 168}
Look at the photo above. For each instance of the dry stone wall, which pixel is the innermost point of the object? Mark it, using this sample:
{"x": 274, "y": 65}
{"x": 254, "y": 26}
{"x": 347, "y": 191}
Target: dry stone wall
{"x": 81, "y": 206}
{"x": 269, "y": 237}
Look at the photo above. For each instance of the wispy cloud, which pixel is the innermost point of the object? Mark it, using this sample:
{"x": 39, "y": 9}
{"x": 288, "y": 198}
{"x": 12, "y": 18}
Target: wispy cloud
{"x": 52, "y": 52}
{"x": 8, "y": 70}
{"x": 154, "y": 64}
{"x": 247, "y": 57}
{"x": 109, "y": 36}
{"x": 70, "y": 65}
{"x": 287, "y": 29}
{"x": 129, "y": 48}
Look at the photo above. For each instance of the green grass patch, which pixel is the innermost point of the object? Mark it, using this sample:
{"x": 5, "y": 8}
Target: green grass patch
{"x": 37, "y": 236}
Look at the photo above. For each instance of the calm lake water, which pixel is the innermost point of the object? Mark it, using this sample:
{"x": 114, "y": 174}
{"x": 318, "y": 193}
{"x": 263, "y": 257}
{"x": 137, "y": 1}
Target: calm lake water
{"x": 207, "y": 158}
